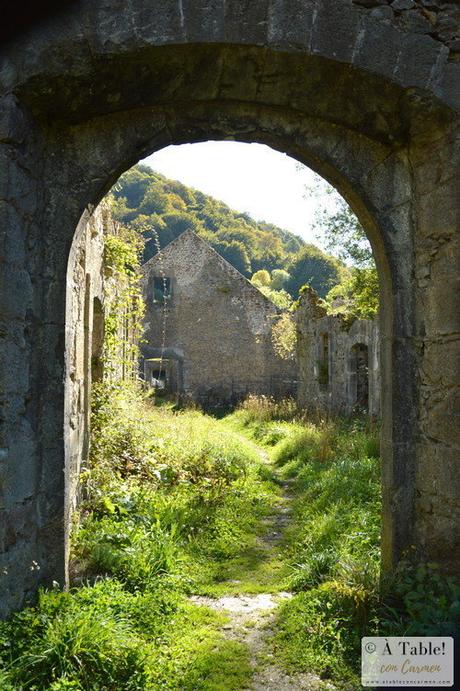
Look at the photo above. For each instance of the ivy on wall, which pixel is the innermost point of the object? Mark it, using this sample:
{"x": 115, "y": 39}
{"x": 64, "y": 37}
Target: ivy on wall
{"x": 124, "y": 306}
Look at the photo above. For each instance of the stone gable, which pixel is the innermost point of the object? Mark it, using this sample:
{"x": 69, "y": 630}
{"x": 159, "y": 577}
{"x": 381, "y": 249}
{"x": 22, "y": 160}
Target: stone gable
{"x": 214, "y": 325}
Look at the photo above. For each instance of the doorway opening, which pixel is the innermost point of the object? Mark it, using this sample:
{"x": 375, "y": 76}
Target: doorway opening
{"x": 360, "y": 370}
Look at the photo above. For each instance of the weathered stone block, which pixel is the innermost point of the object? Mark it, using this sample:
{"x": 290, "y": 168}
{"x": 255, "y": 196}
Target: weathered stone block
{"x": 335, "y": 18}
{"x": 384, "y": 12}
{"x": 204, "y": 21}
{"x": 403, "y": 4}
{"x": 285, "y": 33}
{"x": 416, "y": 22}
{"x": 246, "y": 21}
{"x": 447, "y": 87}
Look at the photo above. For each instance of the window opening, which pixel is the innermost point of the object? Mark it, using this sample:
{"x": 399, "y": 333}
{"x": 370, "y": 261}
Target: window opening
{"x": 161, "y": 289}
{"x": 324, "y": 363}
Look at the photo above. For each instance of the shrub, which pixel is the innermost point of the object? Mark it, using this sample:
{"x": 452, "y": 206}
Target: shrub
{"x": 67, "y": 643}
{"x": 419, "y": 601}
{"x": 266, "y": 408}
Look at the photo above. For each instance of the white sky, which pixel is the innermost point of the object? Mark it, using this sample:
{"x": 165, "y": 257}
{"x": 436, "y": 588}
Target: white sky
{"x": 247, "y": 177}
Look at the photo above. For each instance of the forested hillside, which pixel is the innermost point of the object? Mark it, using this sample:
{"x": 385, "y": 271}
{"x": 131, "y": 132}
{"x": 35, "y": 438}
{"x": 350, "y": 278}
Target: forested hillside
{"x": 161, "y": 209}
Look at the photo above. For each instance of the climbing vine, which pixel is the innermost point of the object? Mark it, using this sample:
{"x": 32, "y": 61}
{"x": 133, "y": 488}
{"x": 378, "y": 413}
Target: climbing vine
{"x": 124, "y": 303}
{"x": 284, "y": 336}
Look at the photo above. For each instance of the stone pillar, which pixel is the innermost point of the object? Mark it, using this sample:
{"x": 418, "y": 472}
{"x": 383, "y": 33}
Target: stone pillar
{"x": 436, "y": 163}
{"x": 32, "y": 294}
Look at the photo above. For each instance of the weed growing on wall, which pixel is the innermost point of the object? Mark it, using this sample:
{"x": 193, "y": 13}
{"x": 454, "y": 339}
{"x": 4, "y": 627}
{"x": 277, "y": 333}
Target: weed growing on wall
{"x": 284, "y": 336}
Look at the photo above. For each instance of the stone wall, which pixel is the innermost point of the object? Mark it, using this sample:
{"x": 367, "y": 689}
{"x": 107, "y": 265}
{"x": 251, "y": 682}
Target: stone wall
{"x": 91, "y": 294}
{"x": 438, "y": 19}
{"x": 217, "y": 326}
{"x": 338, "y": 361}
{"x": 84, "y": 300}
{"x": 370, "y": 106}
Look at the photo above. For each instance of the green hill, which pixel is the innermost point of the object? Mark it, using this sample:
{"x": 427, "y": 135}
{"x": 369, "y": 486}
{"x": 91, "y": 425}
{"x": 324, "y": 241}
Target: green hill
{"x": 161, "y": 209}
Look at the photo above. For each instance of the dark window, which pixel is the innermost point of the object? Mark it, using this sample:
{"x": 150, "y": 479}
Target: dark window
{"x": 323, "y": 364}
{"x": 360, "y": 361}
{"x": 161, "y": 289}
{"x": 97, "y": 341}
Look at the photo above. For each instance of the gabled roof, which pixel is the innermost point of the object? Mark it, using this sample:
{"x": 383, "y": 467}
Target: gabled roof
{"x": 190, "y": 235}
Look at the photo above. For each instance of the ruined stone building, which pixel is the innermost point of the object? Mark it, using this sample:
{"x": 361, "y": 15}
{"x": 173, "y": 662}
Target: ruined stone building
{"x": 207, "y": 328}
{"x": 366, "y": 96}
{"x": 339, "y": 369}
{"x": 92, "y": 291}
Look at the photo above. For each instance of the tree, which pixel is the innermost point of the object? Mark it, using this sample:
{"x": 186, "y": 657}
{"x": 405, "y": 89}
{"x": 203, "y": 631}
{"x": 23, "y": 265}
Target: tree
{"x": 178, "y": 222}
{"x": 311, "y": 265}
{"x": 280, "y": 298}
{"x": 338, "y": 226}
{"x": 358, "y": 296}
{"x": 235, "y": 253}
{"x": 279, "y": 279}
{"x": 345, "y": 237}
{"x": 155, "y": 201}
{"x": 133, "y": 184}
{"x": 153, "y": 204}
{"x": 261, "y": 278}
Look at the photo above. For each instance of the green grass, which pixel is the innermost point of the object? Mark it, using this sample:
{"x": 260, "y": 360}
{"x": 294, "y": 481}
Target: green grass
{"x": 332, "y": 547}
{"x": 104, "y": 637}
{"x": 178, "y": 503}
{"x": 330, "y": 554}
{"x": 168, "y": 499}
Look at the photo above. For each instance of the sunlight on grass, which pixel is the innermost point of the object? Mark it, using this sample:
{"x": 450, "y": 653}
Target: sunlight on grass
{"x": 176, "y": 503}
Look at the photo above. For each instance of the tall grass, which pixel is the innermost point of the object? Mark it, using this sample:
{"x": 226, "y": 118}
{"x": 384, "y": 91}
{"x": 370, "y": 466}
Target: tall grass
{"x": 333, "y": 546}
{"x": 172, "y": 503}
{"x": 164, "y": 494}
{"x": 266, "y": 408}
{"x": 333, "y": 549}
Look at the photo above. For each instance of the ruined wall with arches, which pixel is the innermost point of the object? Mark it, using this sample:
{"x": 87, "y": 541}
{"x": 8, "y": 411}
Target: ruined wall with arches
{"x": 368, "y": 103}
{"x": 338, "y": 360}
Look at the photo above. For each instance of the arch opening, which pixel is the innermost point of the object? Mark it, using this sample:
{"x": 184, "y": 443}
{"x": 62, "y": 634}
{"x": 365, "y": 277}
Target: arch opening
{"x": 283, "y": 143}
{"x": 365, "y": 157}
{"x": 360, "y": 375}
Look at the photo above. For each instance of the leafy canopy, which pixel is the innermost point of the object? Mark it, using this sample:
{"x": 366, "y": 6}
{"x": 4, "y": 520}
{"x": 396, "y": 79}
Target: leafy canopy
{"x": 357, "y": 293}
{"x": 161, "y": 209}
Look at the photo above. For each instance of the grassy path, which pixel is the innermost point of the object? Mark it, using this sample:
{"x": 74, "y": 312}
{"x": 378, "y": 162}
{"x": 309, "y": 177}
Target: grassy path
{"x": 252, "y": 590}
{"x": 210, "y": 555}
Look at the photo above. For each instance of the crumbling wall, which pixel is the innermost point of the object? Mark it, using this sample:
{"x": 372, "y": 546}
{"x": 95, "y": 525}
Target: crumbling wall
{"x": 85, "y": 284}
{"x": 369, "y": 105}
{"x": 215, "y": 324}
{"x": 92, "y": 290}
{"x": 327, "y": 354}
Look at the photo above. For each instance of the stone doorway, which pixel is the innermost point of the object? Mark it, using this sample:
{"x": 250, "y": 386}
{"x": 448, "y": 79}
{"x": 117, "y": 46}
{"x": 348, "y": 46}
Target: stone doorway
{"x": 360, "y": 374}
{"x": 368, "y": 104}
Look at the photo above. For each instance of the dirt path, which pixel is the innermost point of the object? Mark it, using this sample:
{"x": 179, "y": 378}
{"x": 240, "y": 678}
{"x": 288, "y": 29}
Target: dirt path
{"x": 252, "y": 616}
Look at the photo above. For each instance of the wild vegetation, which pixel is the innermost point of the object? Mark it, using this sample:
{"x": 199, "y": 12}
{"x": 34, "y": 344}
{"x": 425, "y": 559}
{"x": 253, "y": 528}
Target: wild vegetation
{"x": 165, "y": 495}
{"x": 173, "y": 504}
{"x": 158, "y": 207}
{"x": 280, "y": 263}
{"x": 176, "y": 508}
{"x": 357, "y": 294}
{"x": 124, "y": 305}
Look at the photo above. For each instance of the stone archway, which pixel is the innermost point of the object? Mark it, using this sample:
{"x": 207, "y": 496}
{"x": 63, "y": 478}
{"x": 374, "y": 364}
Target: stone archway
{"x": 370, "y": 108}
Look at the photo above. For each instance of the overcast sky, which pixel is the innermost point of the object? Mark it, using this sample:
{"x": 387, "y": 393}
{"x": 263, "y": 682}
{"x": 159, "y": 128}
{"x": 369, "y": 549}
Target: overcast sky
{"x": 247, "y": 177}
